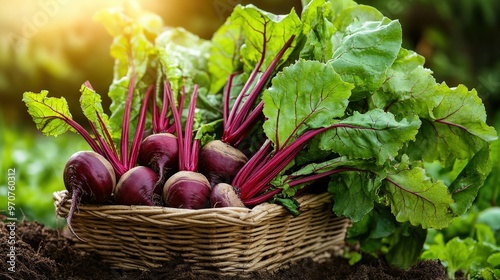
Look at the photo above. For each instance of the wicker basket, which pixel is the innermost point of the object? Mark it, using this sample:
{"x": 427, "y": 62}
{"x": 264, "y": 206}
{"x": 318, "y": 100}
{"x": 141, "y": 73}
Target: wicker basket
{"x": 222, "y": 241}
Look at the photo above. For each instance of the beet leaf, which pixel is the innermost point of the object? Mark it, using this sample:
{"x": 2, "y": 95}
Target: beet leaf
{"x": 298, "y": 101}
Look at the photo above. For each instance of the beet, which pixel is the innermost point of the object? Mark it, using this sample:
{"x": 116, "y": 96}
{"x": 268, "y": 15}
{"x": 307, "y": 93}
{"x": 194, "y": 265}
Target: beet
{"x": 187, "y": 189}
{"x": 138, "y": 187}
{"x": 220, "y": 162}
{"x": 89, "y": 178}
{"x": 160, "y": 152}
{"x": 224, "y": 195}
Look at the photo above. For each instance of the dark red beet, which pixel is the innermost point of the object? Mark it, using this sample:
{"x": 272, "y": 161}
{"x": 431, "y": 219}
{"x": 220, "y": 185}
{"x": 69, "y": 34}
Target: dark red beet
{"x": 89, "y": 178}
{"x": 160, "y": 152}
{"x": 187, "y": 189}
{"x": 224, "y": 195}
{"x": 220, "y": 162}
{"x": 137, "y": 187}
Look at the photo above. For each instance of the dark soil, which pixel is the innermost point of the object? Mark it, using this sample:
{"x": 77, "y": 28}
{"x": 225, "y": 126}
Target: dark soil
{"x": 44, "y": 253}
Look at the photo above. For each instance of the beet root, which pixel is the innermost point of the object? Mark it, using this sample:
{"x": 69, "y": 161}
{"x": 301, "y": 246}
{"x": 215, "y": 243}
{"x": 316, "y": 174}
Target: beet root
{"x": 224, "y": 195}
{"x": 160, "y": 152}
{"x": 220, "y": 162}
{"x": 88, "y": 177}
{"x": 137, "y": 187}
{"x": 188, "y": 190}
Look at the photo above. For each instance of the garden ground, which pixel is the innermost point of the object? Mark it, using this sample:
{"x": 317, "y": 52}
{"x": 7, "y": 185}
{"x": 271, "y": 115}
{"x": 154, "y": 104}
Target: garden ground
{"x": 44, "y": 253}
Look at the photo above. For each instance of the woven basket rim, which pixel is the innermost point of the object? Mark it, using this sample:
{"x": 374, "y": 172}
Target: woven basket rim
{"x": 171, "y": 216}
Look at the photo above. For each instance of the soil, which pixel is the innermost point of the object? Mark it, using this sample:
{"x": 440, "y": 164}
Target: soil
{"x": 44, "y": 253}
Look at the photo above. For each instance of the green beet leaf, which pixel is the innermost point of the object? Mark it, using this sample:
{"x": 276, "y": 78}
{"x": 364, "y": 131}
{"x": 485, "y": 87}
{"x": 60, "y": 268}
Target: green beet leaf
{"x": 48, "y": 113}
{"x": 300, "y": 99}
{"x": 91, "y": 104}
{"x": 318, "y": 18}
{"x": 354, "y": 193}
{"x": 224, "y": 54}
{"x": 289, "y": 203}
{"x": 464, "y": 110}
{"x": 466, "y": 186}
{"x": 373, "y": 135}
{"x": 416, "y": 198}
{"x": 183, "y": 57}
{"x": 264, "y": 32}
{"x": 377, "y": 225}
{"x": 409, "y": 87}
{"x": 207, "y": 132}
{"x": 317, "y": 29}
{"x": 366, "y": 52}
{"x": 248, "y": 35}
{"x": 490, "y": 194}
{"x": 456, "y": 129}
{"x": 133, "y": 32}
{"x": 53, "y": 118}
{"x": 406, "y": 251}
{"x": 347, "y": 14}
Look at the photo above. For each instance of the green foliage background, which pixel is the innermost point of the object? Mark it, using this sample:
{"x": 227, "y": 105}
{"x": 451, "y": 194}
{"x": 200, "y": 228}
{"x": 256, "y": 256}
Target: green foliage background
{"x": 38, "y": 162}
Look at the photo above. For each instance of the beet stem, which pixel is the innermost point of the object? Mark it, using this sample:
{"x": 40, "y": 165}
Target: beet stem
{"x": 194, "y": 155}
{"x": 260, "y": 84}
{"x": 178, "y": 127}
{"x": 267, "y": 172}
{"x": 237, "y": 117}
{"x": 108, "y": 153}
{"x": 139, "y": 132}
{"x": 237, "y": 103}
{"x": 107, "y": 134}
{"x": 262, "y": 176}
{"x": 156, "y": 120}
{"x": 163, "y": 114}
{"x": 244, "y": 129}
{"x": 251, "y": 164}
{"x": 88, "y": 138}
{"x": 126, "y": 121}
{"x": 182, "y": 97}
{"x": 292, "y": 182}
{"x": 101, "y": 123}
{"x": 227, "y": 96}
{"x": 262, "y": 198}
{"x": 191, "y": 149}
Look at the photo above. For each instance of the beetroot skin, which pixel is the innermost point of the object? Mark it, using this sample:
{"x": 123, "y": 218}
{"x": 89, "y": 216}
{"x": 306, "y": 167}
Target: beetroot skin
{"x": 89, "y": 178}
{"x": 187, "y": 189}
{"x": 90, "y": 174}
{"x": 224, "y": 195}
{"x": 220, "y": 162}
{"x": 137, "y": 187}
{"x": 160, "y": 152}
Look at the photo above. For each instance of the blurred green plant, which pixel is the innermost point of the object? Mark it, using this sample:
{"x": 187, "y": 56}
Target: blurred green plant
{"x": 477, "y": 255}
{"x": 39, "y": 162}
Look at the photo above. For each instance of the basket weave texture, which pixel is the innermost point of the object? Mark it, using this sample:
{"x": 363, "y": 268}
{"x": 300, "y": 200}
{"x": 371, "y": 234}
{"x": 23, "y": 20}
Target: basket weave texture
{"x": 222, "y": 241}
